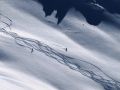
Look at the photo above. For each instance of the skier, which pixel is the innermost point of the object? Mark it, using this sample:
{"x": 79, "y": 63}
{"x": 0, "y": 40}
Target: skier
{"x": 32, "y": 50}
{"x": 66, "y": 49}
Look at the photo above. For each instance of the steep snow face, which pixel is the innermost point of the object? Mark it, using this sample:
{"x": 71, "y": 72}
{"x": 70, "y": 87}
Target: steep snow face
{"x": 37, "y": 54}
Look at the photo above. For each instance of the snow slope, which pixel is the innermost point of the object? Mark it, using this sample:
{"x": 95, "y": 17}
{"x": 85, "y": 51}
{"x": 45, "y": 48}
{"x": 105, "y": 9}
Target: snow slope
{"x": 33, "y": 56}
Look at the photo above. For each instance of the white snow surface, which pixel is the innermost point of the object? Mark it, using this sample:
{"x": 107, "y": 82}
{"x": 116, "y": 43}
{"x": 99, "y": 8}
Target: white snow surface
{"x": 33, "y": 55}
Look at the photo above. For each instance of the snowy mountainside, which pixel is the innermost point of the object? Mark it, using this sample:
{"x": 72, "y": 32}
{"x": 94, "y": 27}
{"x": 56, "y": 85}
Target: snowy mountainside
{"x": 33, "y": 50}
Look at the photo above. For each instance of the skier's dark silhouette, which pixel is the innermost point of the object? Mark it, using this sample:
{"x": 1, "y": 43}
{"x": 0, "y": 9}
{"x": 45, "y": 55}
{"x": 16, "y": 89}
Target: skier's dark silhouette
{"x": 66, "y": 49}
{"x": 32, "y": 50}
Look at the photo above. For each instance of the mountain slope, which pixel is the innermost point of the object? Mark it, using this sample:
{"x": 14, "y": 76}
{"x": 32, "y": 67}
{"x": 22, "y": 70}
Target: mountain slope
{"x": 33, "y": 52}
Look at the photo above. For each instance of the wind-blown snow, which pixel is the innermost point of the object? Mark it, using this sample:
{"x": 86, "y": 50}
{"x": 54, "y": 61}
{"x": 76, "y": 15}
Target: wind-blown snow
{"x": 33, "y": 56}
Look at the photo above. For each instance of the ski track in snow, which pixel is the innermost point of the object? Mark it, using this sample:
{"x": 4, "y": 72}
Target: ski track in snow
{"x": 85, "y": 68}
